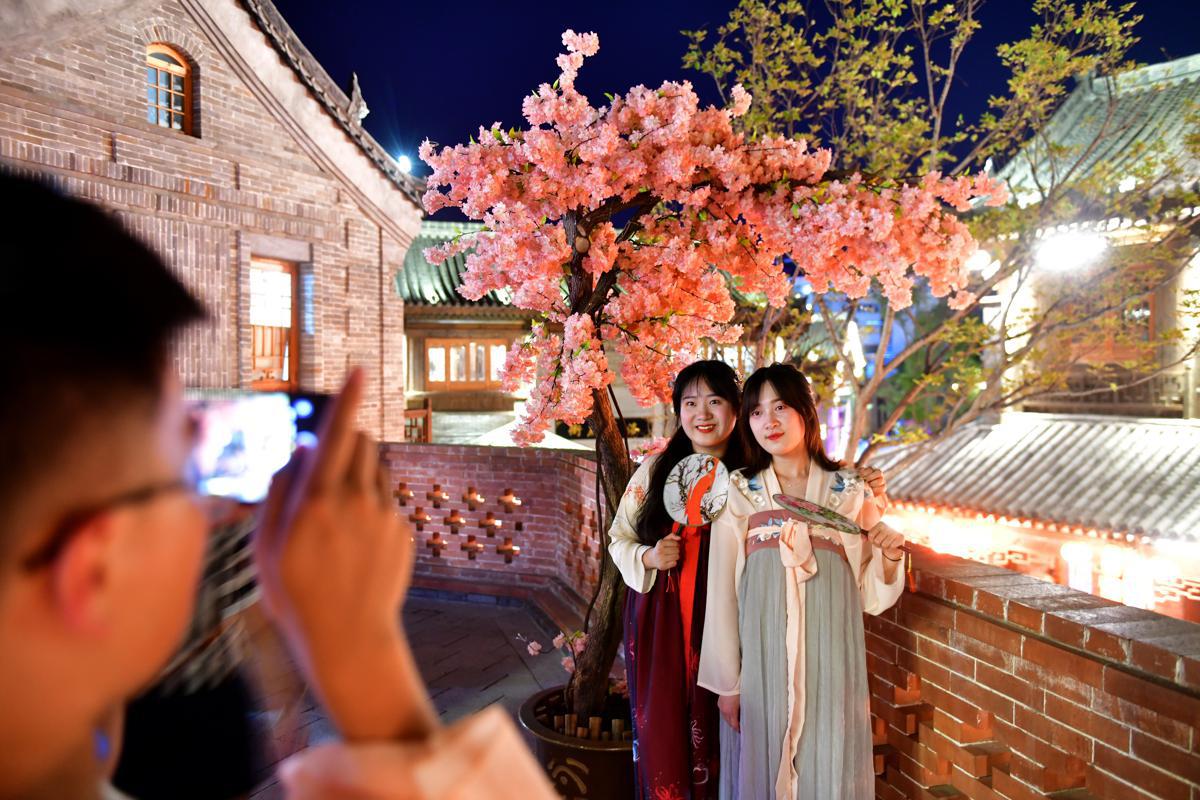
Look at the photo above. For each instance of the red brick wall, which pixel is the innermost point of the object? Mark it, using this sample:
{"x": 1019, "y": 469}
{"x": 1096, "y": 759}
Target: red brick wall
{"x": 991, "y": 685}
{"x": 72, "y": 104}
{"x": 555, "y": 525}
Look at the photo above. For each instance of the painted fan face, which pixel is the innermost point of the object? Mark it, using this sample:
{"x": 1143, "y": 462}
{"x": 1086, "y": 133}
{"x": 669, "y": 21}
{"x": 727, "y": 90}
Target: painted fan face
{"x": 696, "y": 490}
{"x": 818, "y": 515}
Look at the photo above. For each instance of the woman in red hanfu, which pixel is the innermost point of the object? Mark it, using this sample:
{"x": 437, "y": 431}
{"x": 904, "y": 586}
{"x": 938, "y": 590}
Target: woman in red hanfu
{"x": 675, "y": 722}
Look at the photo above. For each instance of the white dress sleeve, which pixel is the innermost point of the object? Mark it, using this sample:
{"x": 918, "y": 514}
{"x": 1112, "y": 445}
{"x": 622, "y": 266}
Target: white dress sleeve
{"x": 878, "y": 594}
{"x": 623, "y": 543}
{"x": 721, "y": 650}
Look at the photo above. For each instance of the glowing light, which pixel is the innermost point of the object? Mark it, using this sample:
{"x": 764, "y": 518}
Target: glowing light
{"x": 1070, "y": 251}
{"x": 303, "y": 407}
{"x": 1079, "y": 565}
{"x": 404, "y": 163}
{"x": 979, "y": 261}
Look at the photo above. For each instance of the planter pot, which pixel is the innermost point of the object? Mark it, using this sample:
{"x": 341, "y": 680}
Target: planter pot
{"x": 579, "y": 769}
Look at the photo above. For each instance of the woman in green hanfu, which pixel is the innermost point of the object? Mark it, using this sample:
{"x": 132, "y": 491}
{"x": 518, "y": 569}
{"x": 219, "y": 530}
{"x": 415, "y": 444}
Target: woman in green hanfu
{"x": 783, "y": 642}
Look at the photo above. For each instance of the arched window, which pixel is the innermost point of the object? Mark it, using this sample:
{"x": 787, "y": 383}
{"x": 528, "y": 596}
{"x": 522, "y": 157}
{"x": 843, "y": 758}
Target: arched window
{"x": 168, "y": 89}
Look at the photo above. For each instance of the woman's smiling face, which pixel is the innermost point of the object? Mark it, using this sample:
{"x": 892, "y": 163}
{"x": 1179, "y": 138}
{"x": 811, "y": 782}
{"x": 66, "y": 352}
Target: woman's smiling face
{"x": 777, "y": 427}
{"x": 707, "y": 418}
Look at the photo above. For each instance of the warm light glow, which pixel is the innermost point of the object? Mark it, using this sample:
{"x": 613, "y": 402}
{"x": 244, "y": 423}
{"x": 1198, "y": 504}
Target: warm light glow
{"x": 1079, "y": 565}
{"x": 979, "y": 261}
{"x": 1070, "y": 251}
{"x": 1104, "y": 563}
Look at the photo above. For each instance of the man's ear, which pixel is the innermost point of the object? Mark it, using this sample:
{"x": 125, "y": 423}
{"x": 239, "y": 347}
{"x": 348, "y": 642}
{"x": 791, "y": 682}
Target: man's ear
{"x": 81, "y": 577}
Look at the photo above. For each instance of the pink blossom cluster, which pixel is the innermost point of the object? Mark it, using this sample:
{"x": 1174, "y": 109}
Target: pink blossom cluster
{"x": 650, "y": 448}
{"x": 710, "y": 209}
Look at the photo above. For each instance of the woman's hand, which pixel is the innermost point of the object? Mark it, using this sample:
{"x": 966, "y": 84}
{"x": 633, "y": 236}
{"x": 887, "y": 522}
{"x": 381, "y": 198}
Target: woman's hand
{"x": 730, "y": 706}
{"x": 874, "y": 478}
{"x": 663, "y": 555}
{"x": 887, "y": 539}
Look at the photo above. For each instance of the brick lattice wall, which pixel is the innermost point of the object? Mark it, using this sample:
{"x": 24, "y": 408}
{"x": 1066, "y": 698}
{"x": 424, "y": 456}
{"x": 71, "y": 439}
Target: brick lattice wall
{"x": 555, "y": 524}
{"x": 73, "y": 107}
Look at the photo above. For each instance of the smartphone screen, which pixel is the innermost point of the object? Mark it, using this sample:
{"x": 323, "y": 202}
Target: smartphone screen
{"x": 244, "y": 438}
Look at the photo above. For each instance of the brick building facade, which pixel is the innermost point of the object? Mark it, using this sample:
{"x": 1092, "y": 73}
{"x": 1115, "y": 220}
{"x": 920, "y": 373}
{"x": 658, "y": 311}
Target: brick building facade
{"x": 209, "y": 129}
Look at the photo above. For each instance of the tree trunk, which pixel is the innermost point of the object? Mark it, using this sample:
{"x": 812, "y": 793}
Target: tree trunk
{"x": 589, "y": 686}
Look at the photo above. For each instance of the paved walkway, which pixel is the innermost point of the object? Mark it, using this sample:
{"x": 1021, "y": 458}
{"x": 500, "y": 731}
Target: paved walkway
{"x": 469, "y": 656}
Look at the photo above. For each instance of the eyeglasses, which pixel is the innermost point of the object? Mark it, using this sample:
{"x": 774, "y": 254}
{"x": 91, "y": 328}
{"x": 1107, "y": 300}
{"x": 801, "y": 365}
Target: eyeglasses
{"x": 63, "y": 532}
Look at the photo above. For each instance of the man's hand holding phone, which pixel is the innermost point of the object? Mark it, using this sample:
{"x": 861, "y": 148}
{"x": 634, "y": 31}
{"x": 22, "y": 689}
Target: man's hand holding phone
{"x": 334, "y": 560}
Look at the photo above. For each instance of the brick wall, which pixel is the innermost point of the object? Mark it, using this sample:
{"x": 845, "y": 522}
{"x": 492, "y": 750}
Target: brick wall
{"x": 985, "y": 684}
{"x": 991, "y": 685}
{"x": 72, "y": 105}
{"x": 554, "y": 526}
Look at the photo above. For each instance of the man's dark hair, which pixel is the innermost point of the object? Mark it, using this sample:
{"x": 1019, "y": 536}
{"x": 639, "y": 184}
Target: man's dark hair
{"x": 86, "y": 320}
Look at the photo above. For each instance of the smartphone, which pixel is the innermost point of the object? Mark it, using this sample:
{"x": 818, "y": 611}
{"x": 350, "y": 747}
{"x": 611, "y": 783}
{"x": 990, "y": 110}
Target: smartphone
{"x": 244, "y": 438}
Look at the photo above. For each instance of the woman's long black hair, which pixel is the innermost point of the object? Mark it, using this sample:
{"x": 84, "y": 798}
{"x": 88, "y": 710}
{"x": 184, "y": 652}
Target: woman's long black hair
{"x": 794, "y": 390}
{"x": 653, "y": 521}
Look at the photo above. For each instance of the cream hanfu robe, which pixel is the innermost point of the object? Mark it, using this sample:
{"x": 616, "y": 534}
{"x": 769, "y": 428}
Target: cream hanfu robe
{"x": 624, "y": 545}
{"x": 784, "y": 630}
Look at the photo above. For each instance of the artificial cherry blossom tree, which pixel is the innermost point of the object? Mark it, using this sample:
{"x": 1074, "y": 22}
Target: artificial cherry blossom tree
{"x": 625, "y": 225}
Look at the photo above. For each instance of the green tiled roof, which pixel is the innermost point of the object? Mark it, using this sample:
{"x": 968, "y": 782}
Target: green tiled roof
{"x": 1148, "y": 108}
{"x": 423, "y": 284}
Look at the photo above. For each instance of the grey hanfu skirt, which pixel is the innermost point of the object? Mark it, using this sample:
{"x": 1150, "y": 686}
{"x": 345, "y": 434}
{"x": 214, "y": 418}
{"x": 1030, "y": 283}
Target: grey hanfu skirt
{"x": 834, "y": 760}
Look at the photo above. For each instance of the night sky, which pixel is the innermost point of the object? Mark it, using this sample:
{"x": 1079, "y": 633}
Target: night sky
{"x": 441, "y": 69}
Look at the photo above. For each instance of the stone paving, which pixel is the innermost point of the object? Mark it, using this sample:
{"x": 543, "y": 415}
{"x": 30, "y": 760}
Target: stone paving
{"x": 470, "y": 656}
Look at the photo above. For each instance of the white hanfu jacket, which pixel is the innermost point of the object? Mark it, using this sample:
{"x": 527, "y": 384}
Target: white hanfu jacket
{"x": 623, "y": 543}
{"x": 720, "y": 656}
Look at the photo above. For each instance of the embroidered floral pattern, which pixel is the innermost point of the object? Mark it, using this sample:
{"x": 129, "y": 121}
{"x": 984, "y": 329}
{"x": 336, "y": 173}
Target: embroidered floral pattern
{"x": 764, "y": 532}
{"x": 845, "y": 483}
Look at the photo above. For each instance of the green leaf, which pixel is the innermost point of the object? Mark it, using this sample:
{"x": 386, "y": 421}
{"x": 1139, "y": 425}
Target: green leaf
{"x": 795, "y": 211}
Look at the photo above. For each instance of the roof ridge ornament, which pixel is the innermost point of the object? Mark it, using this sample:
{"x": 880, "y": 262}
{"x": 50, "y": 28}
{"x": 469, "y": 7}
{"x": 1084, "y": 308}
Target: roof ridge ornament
{"x": 357, "y": 110}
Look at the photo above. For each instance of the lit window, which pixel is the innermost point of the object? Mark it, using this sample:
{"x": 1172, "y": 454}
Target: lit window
{"x": 461, "y": 364}
{"x": 168, "y": 89}
{"x": 436, "y": 356}
{"x": 273, "y": 328}
{"x": 496, "y": 355}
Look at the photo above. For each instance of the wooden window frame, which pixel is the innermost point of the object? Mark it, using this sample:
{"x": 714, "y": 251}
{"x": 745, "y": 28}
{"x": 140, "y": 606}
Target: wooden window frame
{"x": 448, "y": 385}
{"x": 1108, "y": 351}
{"x": 292, "y": 383}
{"x": 184, "y": 70}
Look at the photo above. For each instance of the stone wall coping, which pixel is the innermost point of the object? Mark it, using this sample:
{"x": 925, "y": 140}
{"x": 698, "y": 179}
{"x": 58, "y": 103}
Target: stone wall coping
{"x": 579, "y": 457}
{"x": 1144, "y": 643}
